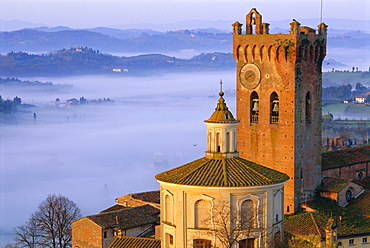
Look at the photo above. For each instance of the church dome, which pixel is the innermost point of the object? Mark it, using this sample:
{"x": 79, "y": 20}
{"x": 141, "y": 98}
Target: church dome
{"x": 222, "y": 113}
{"x": 233, "y": 172}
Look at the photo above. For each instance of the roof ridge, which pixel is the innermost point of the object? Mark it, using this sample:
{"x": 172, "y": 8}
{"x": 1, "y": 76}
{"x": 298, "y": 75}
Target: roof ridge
{"x": 224, "y": 171}
{"x": 260, "y": 174}
{"x": 122, "y": 210}
{"x": 314, "y": 222}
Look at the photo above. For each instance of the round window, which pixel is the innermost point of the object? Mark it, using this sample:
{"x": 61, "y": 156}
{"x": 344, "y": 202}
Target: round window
{"x": 360, "y": 175}
{"x": 348, "y": 195}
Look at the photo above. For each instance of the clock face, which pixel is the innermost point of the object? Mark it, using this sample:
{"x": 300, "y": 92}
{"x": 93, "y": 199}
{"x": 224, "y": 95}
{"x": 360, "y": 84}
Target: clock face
{"x": 250, "y": 76}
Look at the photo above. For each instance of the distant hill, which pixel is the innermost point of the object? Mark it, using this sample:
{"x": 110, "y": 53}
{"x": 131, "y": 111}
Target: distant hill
{"x": 82, "y": 61}
{"x": 224, "y": 25}
{"x": 197, "y": 35}
{"x": 114, "y": 41}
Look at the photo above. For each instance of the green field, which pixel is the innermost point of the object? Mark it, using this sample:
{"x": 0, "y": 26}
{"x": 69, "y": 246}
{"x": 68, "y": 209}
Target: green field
{"x": 347, "y": 110}
{"x": 340, "y": 78}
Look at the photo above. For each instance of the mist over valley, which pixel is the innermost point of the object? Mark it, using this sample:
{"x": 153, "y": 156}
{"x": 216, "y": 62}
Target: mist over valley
{"x": 95, "y": 152}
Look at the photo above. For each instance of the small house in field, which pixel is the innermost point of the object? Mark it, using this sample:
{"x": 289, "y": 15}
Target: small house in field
{"x": 360, "y": 99}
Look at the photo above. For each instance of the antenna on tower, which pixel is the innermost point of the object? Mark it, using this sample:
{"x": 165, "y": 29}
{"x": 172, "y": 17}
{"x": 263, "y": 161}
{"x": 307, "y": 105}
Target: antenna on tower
{"x": 221, "y": 85}
{"x": 321, "y": 11}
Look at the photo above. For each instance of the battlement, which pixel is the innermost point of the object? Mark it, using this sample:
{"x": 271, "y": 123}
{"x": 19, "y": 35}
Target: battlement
{"x": 301, "y": 44}
{"x": 255, "y": 26}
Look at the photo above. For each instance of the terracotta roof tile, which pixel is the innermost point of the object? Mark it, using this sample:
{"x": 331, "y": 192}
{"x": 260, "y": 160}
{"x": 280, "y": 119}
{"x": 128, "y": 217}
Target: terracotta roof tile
{"x": 301, "y": 224}
{"x": 361, "y": 204}
{"x": 233, "y": 172}
{"x": 134, "y": 242}
{"x": 352, "y": 223}
{"x": 128, "y": 218}
{"x": 149, "y": 196}
{"x": 333, "y": 184}
{"x": 364, "y": 182}
{"x": 114, "y": 208}
{"x": 345, "y": 157}
{"x": 222, "y": 113}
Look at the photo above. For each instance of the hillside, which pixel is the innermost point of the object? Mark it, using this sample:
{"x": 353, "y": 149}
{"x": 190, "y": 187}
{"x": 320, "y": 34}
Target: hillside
{"x": 82, "y": 61}
{"x": 343, "y": 78}
{"x": 113, "y": 41}
{"x": 145, "y": 40}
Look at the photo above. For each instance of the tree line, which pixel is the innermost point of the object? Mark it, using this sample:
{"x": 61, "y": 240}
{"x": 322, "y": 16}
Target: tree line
{"x": 82, "y": 61}
{"x": 344, "y": 92}
{"x": 49, "y": 225}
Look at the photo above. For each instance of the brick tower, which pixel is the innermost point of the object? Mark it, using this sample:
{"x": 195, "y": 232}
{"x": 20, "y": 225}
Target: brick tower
{"x": 279, "y": 101}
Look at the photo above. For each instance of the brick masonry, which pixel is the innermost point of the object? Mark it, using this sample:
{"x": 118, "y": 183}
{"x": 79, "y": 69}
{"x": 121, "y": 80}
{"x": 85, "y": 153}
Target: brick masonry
{"x": 290, "y": 68}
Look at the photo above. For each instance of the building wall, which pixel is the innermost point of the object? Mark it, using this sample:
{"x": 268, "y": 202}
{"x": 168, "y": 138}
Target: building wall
{"x": 136, "y": 231}
{"x": 291, "y": 146}
{"x": 178, "y": 216}
{"x": 85, "y": 233}
{"x": 357, "y": 242}
{"x": 350, "y": 171}
{"x": 354, "y": 187}
{"x": 108, "y": 236}
{"x": 330, "y": 195}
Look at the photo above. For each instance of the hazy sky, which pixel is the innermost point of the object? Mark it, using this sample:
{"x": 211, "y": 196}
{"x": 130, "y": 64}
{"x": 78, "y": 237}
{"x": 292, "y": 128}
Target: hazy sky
{"x": 93, "y": 13}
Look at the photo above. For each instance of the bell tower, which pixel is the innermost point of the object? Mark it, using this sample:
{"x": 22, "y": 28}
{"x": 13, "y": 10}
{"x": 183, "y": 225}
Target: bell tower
{"x": 278, "y": 100}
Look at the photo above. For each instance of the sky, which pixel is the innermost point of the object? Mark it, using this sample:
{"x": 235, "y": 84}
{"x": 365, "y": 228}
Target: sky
{"x": 97, "y": 13}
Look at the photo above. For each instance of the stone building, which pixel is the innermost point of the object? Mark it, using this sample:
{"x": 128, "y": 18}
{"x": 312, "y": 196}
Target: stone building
{"x": 339, "y": 189}
{"x": 353, "y": 163}
{"x": 99, "y": 230}
{"x": 221, "y": 193}
{"x": 278, "y": 101}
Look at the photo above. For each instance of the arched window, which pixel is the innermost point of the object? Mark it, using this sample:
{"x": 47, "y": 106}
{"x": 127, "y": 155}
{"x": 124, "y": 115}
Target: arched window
{"x": 253, "y": 23}
{"x": 349, "y": 195}
{"x": 308, "y": 107}
{"x": 248, "y": 214}
{"x": 247, "y": 243}
{"x": 274, "y": 108}
{"x": 254, "y": 107}
{"x": 202, "y": 243}
{"x": 218, "y": 142}
{"x": 227, "y": 142}
{"x": 202, "y": 214}
{"x": 360, "y": 175}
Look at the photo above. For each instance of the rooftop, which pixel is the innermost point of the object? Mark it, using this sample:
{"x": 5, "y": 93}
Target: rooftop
{"x": 134, "y": 242}
{"x": 127, "y": 218}
{"x": 114, "y": 208}
{"x": 352, "y": 217}
{"x": 333, "y": 184}
{"x": 222, "y": 113}
{"x": 233, "y": 172}
{"x": 149, "y": 196}
{"x": 345, "y": 157}
{"x": 302, "y": 224}
{"x": 361, "y": 204}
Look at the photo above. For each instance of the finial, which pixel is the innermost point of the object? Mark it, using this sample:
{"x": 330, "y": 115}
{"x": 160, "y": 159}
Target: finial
{"x": 221, "y": 93}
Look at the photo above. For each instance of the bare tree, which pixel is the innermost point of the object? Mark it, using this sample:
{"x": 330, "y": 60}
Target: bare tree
{"x": 28, "y": 235}
{"x": 233, "y": 226}
{"x": 50, "y": 225}
{"x": 362, "y": 131}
